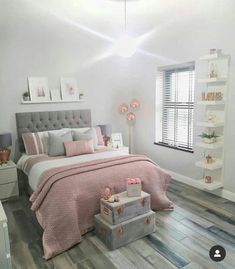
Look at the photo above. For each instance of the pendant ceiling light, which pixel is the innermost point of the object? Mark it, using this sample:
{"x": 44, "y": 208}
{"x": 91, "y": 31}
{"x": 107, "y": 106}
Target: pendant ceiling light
{"x": 125, "y": 46}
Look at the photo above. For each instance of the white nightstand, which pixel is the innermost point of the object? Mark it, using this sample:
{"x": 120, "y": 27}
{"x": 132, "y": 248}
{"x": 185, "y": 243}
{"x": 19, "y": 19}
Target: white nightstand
{"x": 123, "y": 149}
{"x": 8, "y": 180}
{"x": 5, "y": 256}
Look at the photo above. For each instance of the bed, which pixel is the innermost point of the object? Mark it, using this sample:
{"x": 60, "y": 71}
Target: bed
{"x": 66, "y": 190}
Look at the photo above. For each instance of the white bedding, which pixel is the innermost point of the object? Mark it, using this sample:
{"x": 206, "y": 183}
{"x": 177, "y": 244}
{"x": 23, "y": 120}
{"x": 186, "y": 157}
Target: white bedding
{"x": 42, "y": 166}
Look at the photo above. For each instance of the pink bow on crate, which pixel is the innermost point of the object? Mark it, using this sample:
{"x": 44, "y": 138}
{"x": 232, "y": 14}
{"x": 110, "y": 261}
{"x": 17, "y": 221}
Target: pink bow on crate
{"x": 133, "y": 181}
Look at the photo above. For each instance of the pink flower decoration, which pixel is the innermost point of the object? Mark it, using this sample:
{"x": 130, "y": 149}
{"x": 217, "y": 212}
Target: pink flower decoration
{"x": 106, "y": 194}
{"x": 133, "y": 181}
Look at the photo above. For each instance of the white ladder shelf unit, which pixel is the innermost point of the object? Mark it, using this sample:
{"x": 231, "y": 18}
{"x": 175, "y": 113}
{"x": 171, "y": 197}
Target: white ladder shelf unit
{"x": 213, "y": 101}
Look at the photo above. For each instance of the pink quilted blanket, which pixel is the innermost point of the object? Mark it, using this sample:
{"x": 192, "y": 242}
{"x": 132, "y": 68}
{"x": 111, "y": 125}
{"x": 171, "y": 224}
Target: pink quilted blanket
{"x": 67, "y": 198}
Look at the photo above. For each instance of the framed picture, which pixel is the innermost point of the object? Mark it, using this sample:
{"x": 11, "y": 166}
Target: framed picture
{"x": 69, "y": 89}
{"x": 38, "y": 88}
{"x": 116, "y": 140}
{"x": 55, "y": 95}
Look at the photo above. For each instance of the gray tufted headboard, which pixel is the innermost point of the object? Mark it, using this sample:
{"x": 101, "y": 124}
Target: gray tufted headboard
{"x": 50, "y": 120}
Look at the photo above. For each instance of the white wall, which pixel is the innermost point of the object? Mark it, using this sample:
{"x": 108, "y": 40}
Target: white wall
{"x": 50, "y": 38}
{"x": 35, "y": 43}
{"x": 208, "y": 24}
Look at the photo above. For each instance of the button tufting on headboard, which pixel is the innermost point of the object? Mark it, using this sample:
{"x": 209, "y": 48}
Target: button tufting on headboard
{"x": 50, "y": 120}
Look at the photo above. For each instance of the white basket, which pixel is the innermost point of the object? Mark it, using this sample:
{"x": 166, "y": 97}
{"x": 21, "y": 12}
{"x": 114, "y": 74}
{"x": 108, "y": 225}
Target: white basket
{"x": 133, "y": 190}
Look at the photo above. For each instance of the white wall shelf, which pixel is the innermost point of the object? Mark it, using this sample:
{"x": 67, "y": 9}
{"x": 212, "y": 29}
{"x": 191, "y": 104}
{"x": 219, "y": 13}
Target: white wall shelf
{"x": 216, "y": 145}
{"x": 214, "y": 56}
{"x": 211, "y": 103}
{"x": 217, "y": 164}
{"x": 197, "y": 183}
{"x": 216, "y": 64}
{"x": 211, "y": 80}
{"x": 50, "y": 102}
{"x": 210, "y": 124}
{"x": 208, "y": 186}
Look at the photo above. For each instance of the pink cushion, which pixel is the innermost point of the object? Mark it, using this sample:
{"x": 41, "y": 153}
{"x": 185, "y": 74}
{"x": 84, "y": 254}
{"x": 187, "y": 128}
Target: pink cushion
{"x": 35, "y": 143}
{"x": 99, "y": 136}
{"x": 74, "y": 148}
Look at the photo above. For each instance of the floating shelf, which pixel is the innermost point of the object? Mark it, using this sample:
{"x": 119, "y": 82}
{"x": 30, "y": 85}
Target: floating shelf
{"x": 50, "y": 102}
{"x": 211, "y": 80}
{"x": 208, "y": 186}
{"x": 214, "y": 56}
{"x": 209, "y": 124}
{"x": 211, "y": 103}
{"x": 216, "y": 145}
{"x": 212, "y": 166}
{"x": 198, "y": 183}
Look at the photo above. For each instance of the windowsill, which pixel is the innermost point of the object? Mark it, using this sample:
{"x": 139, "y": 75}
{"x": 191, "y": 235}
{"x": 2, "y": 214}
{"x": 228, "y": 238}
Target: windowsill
{"x": 172, "y": 147}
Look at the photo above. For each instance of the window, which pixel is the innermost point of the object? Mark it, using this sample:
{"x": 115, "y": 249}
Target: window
{"x": 174, "y": 106}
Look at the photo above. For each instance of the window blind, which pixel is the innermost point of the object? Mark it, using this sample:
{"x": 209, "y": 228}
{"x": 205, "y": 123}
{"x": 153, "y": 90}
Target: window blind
{"x": 175, "y": 106}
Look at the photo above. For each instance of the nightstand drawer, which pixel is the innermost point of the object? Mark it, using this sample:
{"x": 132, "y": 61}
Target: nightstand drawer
{"x": 8, "y": 190}
{"x": 8, "y": 175}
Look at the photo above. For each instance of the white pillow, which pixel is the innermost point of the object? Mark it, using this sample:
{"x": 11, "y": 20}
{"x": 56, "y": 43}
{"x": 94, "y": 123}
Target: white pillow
{"x": 56, "y": 142}
{"x": 88, "y": 134}
{"x": 45, "y": 136}
{"x": 81, "y": 130}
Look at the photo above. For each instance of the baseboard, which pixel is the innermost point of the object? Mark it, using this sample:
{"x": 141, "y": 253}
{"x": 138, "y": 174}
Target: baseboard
{"x": 193, "y": 183}
{"x": 228, "y": 195}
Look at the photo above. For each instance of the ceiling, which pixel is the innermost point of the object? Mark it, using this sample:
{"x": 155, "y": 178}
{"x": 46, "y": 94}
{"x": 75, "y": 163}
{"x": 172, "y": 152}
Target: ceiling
{"x": 107, "y": 16}
{"x": 160, "y": 22}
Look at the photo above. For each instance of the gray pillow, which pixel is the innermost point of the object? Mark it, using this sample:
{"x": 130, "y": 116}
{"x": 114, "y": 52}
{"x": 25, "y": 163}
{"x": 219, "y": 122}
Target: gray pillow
{"x": 56, "y": 142}
{"x": 89, "y": 134}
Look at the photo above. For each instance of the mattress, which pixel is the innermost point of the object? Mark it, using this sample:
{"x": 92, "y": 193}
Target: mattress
{"x": 35, "y": 165}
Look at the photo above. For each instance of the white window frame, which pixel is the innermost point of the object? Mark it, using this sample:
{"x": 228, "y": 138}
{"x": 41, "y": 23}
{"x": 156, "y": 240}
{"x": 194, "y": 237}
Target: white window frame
{"x": 160, "y": 137}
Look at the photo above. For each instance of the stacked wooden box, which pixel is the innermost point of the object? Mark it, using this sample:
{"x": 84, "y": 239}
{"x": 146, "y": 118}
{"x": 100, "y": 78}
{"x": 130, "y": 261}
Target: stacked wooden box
{"x": 122, "y": 222}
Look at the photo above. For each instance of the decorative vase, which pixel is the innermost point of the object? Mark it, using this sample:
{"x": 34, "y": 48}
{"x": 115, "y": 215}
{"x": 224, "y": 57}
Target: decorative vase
{"x": 213, "y": 71}
{"x": 4, "y": 155}
{"x": 208, "y": 179}
{"x": 81, "y": 96}
{"x": 26, "y": 98}
{"x": 209, "y": 140}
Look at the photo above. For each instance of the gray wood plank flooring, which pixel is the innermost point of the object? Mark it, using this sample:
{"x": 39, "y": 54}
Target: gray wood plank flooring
{"x": 182, "y": 238}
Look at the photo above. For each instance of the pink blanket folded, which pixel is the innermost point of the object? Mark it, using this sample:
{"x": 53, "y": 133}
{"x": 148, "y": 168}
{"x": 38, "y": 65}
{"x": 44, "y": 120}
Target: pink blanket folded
{"x": 67, "y": 198}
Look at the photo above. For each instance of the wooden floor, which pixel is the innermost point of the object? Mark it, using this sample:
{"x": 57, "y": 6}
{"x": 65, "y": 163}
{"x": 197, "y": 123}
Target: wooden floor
{"x": 182, "y": 238}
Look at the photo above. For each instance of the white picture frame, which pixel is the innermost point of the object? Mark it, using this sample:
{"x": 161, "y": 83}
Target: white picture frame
{"x": 38, "y": 88}
{"x": 116, "y": 140}
{"x": 55, "y": 95}
{"x": 69, "y": 89}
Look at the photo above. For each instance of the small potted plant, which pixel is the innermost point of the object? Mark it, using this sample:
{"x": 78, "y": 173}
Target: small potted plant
{"x": 26, "y": 96}
{"x": 209, "y": 159}
{"x": 81, "y": 96}
{"x": 209, "y": 137}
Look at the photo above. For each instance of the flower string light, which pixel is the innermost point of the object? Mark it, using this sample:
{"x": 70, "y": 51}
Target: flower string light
{"x": 123, "y": 108}
{"x": 135, "y": 104}
{"x": 127, "y": 110}
{"x": 130, "y": 116}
